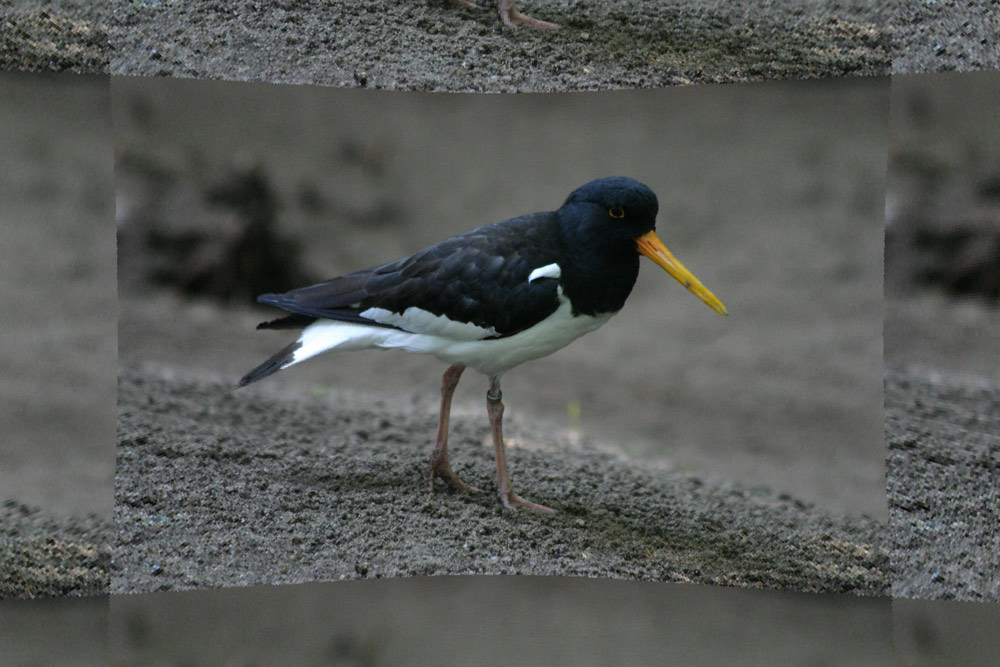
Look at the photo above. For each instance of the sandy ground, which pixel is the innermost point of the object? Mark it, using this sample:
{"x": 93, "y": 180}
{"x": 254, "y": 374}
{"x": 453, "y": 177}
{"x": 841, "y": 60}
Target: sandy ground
{"x": 314, "y": 494}
{"x": 943, "y": 372}
{"x": 58, "y": 264}
{"x": 418, "y": 45}
{"x": 428, "y": 45}
{"x": 957, "y": 36}
{"x": 943, "y": 461}
{"x": 54, "y": 36}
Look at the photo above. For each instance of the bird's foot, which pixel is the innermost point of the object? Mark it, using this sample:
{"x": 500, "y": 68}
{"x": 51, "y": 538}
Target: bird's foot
{"x": 512, "y": 501}
{"x": 513, "y": 18}
{"x": 442, "y": 469}
{"x": 465, "y": 3}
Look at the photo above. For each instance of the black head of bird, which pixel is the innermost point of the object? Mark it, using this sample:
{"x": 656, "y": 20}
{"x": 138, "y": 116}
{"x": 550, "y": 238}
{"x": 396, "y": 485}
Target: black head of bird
{"x": 610, "y": 222}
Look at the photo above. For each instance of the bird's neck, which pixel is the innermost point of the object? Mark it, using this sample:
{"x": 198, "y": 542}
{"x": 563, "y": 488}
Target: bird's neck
{"x": 600, "y": 272}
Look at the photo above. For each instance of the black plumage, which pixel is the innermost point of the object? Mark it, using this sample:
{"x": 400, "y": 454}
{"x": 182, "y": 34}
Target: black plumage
{"x": 480, "y": 277}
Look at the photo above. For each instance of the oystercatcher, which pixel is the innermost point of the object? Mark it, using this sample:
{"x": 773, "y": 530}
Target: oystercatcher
{"x": 489, "y": 299}
{"x": 509, "y": 14}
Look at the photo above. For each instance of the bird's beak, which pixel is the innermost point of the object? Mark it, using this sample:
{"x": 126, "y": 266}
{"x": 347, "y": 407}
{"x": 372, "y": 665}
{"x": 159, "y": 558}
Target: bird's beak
{"x": 651, "y": 246}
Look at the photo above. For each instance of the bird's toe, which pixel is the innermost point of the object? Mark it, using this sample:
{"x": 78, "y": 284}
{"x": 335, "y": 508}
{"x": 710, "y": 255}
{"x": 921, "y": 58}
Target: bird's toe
{"x": 513, "y": 18}
{"x": 445, "y": 472}
{"x": 511, "y": 500}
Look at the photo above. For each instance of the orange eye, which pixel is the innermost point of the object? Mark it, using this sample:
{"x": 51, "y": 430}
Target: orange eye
{"x": 616, "y": 212}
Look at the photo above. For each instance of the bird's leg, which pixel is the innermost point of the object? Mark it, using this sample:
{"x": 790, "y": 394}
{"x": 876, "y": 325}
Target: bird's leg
{"x": 511, "y": 17}
{"x": 494, "y": 406}
{"x": 439, "y": 459}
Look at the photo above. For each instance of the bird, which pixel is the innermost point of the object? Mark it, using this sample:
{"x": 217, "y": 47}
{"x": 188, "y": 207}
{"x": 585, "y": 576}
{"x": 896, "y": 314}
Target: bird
{"x": 489, "y": 299}
{"x": 509, "y": 14}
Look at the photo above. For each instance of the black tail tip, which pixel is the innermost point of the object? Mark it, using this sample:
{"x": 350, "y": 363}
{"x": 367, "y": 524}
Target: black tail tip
{"x": 272, "y": 365}
{"x": 258, "y": 373}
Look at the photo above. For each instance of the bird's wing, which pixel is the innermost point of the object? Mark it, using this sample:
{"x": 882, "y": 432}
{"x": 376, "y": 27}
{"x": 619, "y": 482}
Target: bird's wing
{"x": 480, "y": 284}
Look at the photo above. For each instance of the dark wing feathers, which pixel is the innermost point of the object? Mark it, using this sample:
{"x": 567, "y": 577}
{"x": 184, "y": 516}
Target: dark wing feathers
{"x": 479, "y": 277}
{"x": 313, "y": 300}
{"x": 294, "y": 321}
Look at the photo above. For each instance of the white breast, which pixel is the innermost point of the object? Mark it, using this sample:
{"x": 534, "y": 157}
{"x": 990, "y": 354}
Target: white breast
{"x": 497, "y": 355}
{"x": 490, "y": 356}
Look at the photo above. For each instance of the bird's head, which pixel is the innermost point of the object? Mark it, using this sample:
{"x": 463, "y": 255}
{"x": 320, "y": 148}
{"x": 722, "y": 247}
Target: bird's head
{"x": 621, "y": 211}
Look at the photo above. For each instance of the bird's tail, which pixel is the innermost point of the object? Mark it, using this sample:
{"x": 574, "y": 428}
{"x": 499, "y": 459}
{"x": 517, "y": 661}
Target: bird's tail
{"x": 280, "y": 360}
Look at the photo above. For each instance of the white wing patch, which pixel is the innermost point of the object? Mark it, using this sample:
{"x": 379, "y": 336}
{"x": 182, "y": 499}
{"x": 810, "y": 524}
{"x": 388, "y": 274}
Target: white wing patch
{"x": 417, "y": 320}
{"x": 547, "y": 271}
{"x": 323, "y": 335}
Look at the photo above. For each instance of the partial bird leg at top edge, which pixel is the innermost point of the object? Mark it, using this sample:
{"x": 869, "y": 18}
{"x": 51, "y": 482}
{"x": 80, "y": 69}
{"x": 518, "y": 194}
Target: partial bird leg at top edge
{"x": 511, "y": 17}
{"x": 509, "y": 14}
{"x": 494, "y": 406}
{"x": 439, "y": 459}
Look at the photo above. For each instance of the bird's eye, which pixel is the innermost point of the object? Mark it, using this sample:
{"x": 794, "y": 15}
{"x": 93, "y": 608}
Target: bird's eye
{"x": 616, "y": 212}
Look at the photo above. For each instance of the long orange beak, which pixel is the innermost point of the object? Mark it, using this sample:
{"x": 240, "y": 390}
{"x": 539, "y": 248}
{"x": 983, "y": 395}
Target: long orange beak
{"x": 651, "y": 246}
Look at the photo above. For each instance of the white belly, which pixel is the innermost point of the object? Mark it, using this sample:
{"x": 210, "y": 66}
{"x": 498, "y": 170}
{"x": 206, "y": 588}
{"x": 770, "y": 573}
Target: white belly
{"x": 491, "y": 356}
{"x": 496, "y": 355}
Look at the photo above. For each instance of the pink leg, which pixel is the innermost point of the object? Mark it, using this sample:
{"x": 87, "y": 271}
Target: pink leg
{"x": 494, "y": 406}
{"x": 439, "y": 459}
{"x": 511, "y": 17}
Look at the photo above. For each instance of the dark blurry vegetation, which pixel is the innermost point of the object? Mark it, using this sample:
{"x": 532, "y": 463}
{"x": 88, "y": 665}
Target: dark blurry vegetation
{"x": 964, "y": 260}
{"x": 219, "y": 239}
{"x": 233, "y": 231}
{"x": 942, "y": 209}
{"x": 953, "y": 248}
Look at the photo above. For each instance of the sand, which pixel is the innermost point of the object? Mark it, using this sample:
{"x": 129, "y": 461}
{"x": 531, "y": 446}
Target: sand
{"x": 418, "y": 45}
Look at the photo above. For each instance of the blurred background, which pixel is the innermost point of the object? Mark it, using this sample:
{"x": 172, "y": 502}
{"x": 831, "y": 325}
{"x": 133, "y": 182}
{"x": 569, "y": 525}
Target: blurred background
{"x": 501, "y": 620}
{"x": 942, "y": 336}
{"x": 545, "y": 620}
{"x": 942, "y": 240}
{"x": 57, "y": 361}
{"x": 57, "y": 260}
{"x": 771, "y": 194}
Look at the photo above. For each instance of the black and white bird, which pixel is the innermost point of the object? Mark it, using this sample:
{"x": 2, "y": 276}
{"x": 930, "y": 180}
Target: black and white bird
{"x": 489, "y": 299}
